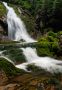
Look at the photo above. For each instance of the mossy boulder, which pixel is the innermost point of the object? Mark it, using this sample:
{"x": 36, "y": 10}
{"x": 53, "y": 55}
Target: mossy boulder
{"x": 16, "y": 55}
{"x": 9, "y": 68}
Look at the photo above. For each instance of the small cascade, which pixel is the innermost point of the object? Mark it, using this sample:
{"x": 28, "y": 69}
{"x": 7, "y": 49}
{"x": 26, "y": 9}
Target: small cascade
{"x": 49, "y": 64}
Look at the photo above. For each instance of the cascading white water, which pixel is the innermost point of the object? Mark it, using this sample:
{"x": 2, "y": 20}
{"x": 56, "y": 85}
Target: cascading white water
{"x": 17, "y": 31}
{"x": 16, "y": 28}
{"x": 46, "y": 63}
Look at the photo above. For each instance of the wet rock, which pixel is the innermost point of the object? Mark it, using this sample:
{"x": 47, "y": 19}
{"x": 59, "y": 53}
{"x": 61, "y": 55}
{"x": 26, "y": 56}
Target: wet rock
{"x": 4, "y": 26}
{"x": 3, "y": 77}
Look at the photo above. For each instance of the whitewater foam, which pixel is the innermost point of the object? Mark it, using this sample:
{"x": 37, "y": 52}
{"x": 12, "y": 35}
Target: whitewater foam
{"x": 46, "y": 63}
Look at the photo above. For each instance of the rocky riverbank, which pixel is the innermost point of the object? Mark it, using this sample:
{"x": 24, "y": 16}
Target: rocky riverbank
{"x": 30, "y": 82}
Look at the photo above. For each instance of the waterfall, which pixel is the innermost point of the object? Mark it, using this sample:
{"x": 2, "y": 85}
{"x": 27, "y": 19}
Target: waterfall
{"x": 46, "y": 63}
{"x": 16, "y": 28}
{"x": 17, "y": 31}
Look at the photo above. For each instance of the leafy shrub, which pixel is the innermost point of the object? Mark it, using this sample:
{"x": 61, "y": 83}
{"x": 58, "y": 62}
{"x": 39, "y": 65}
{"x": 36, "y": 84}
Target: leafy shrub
{"x": 44, "y": 52}
{"x": 55, "y": 46}
{"x": 48, "y": 45}
{"x": 51, "y": 33}
{"x": 59, "y": 33}
{"x": 44, "y": 48}
{"x": 52, "y": 39}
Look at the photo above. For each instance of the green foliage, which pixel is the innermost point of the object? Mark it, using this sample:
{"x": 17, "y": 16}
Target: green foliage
{"x": 51, "y": 33}
{"x": 48, "y": 45}
{"x": 55, "y": 46}
{"x": 44, "y": 49}
{"x": 2, "y": 10}
{"x": 26, "y": 5}
{"x": 59, "y": 33}
{"x": 52, "y": 39}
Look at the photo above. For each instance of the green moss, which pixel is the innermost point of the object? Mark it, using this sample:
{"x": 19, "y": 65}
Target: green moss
{"x": 16, "y": 55}
{"x": 9, "y": 68}
{"x": 2, "y": 10}
{"x": 7, "y": 42}
{"x": 51, "y": 33}
{"x": 59, "y": 33}
{"x": 44, "y": 49}
{"x": 35, "y": 69}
